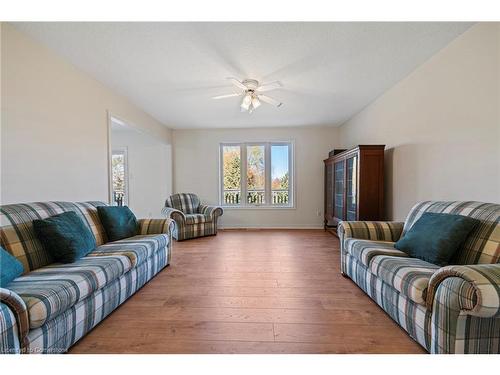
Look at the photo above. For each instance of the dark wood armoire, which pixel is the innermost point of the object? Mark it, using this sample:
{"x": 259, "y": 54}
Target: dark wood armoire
{"x": 354, "y": 185}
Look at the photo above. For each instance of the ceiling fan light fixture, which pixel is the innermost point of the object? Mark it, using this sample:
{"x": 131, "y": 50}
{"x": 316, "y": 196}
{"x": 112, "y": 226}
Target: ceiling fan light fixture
{"x": 256, "y": 102}
{"x": 246, "y": 102}
{"x": 251, "y": 92}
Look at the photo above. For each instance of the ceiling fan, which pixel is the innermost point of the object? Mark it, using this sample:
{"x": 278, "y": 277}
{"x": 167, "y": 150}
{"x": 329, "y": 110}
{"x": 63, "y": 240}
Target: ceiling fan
{"x": 251, "y": 91}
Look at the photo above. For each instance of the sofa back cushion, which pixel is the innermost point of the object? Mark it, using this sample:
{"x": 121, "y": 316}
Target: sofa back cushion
{"x": 18, "y": 236}
{"x": 185, "y": 202}
{"x": 482, "y": 245}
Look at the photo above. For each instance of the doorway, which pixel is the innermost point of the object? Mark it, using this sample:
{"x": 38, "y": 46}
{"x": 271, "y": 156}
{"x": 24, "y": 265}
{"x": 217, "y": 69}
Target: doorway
{"x": 140, "y": 169}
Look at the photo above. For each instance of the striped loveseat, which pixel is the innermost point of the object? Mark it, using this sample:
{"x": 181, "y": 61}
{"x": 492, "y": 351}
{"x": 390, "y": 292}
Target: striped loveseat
{"x": 52, "y": 305}
{"x": 193, "y": 219}
{"x": 451, "y": 309}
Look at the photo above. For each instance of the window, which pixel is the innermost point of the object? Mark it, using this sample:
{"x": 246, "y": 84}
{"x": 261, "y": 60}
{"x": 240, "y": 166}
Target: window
{"x": 119, "y": 169}
{"x": 256, "y": 174}
{"x": 231, "y": 165}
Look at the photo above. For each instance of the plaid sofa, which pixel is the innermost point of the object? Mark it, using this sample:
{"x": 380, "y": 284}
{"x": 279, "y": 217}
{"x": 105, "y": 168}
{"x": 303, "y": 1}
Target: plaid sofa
{"x": 452, "y": 309}
{"x": 192, "y": 218}
{"x": 52, "y": 305}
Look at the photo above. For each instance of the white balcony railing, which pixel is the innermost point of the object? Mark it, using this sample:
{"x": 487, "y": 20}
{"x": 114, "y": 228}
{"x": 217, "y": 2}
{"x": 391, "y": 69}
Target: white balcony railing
{"x": 256, "y": 197}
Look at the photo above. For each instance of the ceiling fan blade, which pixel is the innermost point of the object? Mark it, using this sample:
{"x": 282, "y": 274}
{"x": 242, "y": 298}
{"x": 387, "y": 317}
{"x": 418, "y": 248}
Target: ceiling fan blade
{"x": 237, "y": 83}
{"x": 269, "y": 86}
{"x": 270, "y": 100}
{"x": 225, "y": 96}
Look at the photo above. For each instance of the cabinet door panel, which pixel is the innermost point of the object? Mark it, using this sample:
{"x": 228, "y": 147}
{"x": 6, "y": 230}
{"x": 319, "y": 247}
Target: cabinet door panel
{"x": 352, "y": 188}
{"x": 329, "y": 191}
{"x": 339, "y": 177}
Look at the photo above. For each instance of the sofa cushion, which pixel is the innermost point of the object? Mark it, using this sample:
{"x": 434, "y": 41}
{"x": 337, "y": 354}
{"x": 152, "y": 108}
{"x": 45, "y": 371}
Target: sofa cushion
{"x": 365, "y": 250}
{"x": 65, "y": 236}
{"x": 137, "y": 248}
{"x": 51, "y": 290}
{"x": 436, "y": 237}
{"x": 409, "y": 276}
{"x": 197, "y": 218}
{"x": 10, "y": 268}
{"x": 119, "y": 222}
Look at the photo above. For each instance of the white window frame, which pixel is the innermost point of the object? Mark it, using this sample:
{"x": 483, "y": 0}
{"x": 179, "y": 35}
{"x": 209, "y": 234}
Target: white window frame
{"x": 121, "y": 151}
{"x": 267, "y": 170}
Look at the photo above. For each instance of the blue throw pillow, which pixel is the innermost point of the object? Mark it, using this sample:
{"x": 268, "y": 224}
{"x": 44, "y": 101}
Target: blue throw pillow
{"x": 118, "y": 222}
{"x": 65, "y": 236}
{"x": 435, "y": 237}
{"x": 10, "y": 268}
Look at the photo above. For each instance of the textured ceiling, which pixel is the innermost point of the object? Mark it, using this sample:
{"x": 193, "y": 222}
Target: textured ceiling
{"x": 330, "y": 71}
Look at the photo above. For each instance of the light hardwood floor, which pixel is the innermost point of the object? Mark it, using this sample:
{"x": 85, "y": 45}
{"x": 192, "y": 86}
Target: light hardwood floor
{"x": 259, "y": 291}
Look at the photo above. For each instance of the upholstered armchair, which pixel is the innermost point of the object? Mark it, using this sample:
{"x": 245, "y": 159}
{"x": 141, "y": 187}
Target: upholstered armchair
{"x": 192, "y": 218}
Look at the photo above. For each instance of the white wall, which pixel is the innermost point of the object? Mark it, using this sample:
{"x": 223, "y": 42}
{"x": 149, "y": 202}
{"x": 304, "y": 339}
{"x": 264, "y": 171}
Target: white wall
{"x": 54, "y": 143}
{"x": 441, "y": 125}
{"x": 196, "y": 154}
{"x": 149, "y": 171}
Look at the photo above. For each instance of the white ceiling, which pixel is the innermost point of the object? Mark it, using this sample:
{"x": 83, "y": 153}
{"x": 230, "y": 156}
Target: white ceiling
{"x": 330, "y": 71}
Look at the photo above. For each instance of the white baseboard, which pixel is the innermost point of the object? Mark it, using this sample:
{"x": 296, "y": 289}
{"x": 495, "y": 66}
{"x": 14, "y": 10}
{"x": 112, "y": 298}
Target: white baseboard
{"x": 271, "y": 227}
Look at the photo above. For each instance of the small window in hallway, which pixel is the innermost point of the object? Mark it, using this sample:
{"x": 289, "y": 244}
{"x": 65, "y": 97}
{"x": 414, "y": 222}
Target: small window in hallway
{"x": 120, "y": 177}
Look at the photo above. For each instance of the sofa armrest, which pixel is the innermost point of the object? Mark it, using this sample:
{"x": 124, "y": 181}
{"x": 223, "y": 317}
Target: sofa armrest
{"x": 9, "y": 332}
{"x": 370, "y": 230}
{"x": 174, "y": 214}
{"x": 211, "y": 211}
{"x": 156, "y": 226}
{"x": 18, "y": 308}
{"x": 478, "y": 293}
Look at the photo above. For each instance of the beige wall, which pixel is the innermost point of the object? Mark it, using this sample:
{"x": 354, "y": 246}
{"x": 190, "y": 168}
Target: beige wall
{"x": 196, "y": 154}
{"x": 149, "y": 170}
{"x": 54, "y": 125}
{"x": 441, "y": 125}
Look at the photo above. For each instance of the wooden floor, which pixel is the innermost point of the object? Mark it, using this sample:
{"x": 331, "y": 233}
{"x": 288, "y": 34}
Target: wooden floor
{"x": 267, "y": 291}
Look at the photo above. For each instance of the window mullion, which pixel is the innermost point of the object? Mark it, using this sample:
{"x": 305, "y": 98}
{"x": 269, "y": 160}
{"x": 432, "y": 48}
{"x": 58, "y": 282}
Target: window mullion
{"x": 243, "y": 168}
{"x": 291, "y": 174}
{"x": 221, "y": 174}
{"x": 267, "y": 171}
